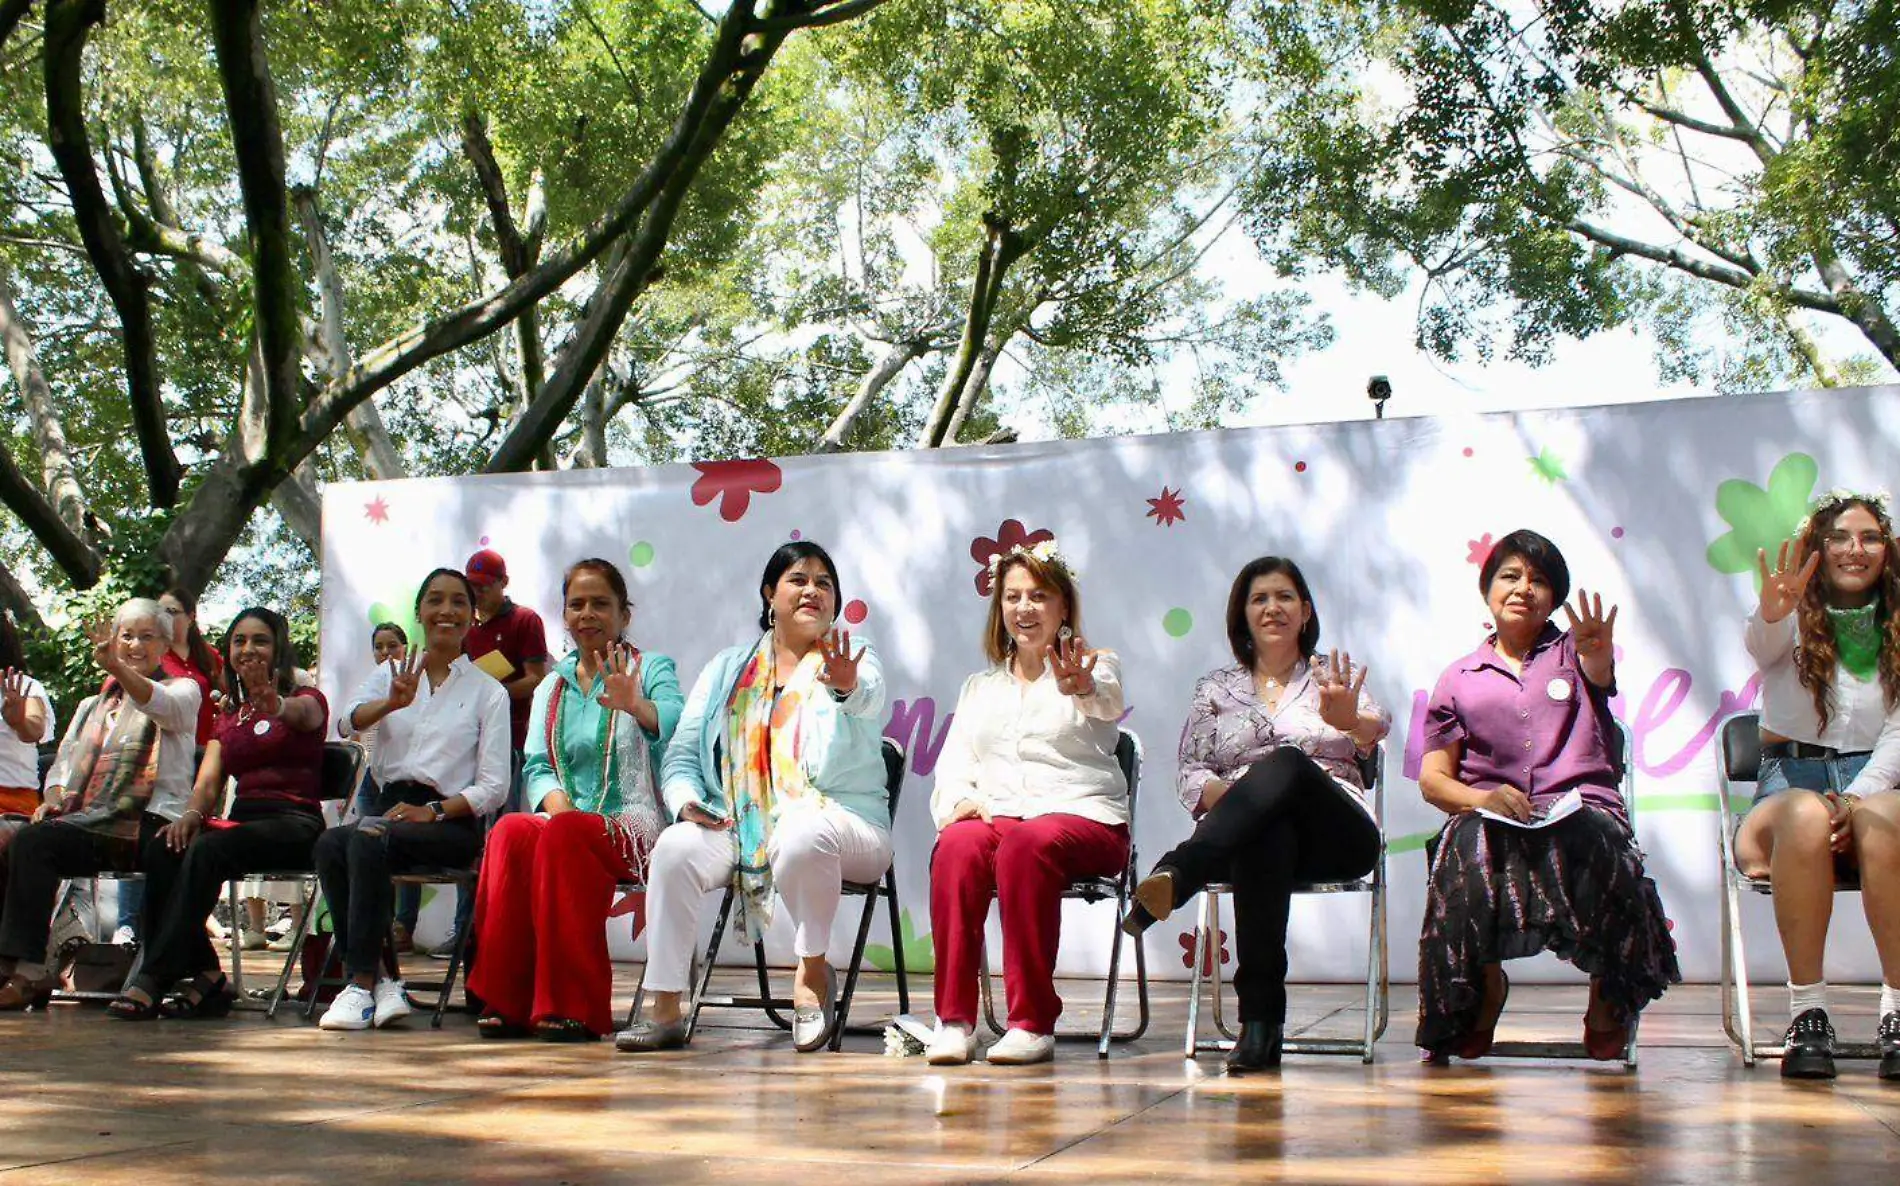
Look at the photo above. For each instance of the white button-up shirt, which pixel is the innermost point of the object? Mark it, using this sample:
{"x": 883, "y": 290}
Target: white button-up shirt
{"x": 1857, "y": 722}
{"x": 455, "y": 738}
{"x": 1026, "y": 750}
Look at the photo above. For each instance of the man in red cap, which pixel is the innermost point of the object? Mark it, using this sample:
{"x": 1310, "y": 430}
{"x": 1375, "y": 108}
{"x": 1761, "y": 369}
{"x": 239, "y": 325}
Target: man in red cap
{"x": 512, "y": 632}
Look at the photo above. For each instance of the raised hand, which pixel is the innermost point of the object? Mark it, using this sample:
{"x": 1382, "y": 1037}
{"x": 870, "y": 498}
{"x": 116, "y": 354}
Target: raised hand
{"x": 1782, "y": 588}
{"x": 404, "y": 674}
{"x": 13, "y": 699}
{"x": 100, "y": 635}
{"x": 259, "y": 682}
{"x": 840, "y": 671}
{"x": 1593, "y": 631}
{"x": 1339, "y": 684}
{"x": 1073, "y": 664}
{"x": 620, "y": 679}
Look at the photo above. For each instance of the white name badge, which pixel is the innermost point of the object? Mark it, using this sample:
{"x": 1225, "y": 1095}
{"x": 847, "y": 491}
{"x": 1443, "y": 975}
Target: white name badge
{"x": 261, "y": 728}
{"x": 1558, "y": 689}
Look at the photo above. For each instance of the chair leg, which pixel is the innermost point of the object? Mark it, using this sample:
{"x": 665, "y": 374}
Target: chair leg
{"x": 466, "y": 894}
{"x": 1738, "y": 969}
{"x": 1372, "y": 980}
{"x": 851, "y": 973}
{"x": 1114, "y": 981}
{"x": 1383, "y": 916}
{"x": 332, "y": 958}
{"x": 983, "y": 982}
{"x": 897, "y": 941}
{"x": 765, "y": 985}
{"x": 712, "y": 959}
{"x": 296, "y": 949}
{"x": 1197, "y": 978}
{"x": 236, "y": 938}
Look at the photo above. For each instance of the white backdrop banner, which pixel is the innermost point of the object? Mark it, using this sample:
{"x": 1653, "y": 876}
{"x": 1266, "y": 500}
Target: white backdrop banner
{"x": 1660, "y": 506}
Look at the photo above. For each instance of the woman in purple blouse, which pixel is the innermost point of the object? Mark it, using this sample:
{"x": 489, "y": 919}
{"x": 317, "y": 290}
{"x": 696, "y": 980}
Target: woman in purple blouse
{"x": 1513, "y": 728}
{"x": 1269, "y": 766}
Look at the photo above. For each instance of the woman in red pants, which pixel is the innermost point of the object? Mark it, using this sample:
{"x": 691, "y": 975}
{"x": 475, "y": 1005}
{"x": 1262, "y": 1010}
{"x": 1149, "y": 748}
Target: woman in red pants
{"x": 1028, "y": 798}
{"x": 596, "y": 730}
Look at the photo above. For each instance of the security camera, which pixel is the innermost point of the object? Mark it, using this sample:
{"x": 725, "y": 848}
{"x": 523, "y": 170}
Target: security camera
{"x": 1378, "y": 389}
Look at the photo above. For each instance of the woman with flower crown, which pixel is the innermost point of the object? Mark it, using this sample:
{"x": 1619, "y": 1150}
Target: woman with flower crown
{"x": 598, "y": 726}
{"x": 1028, "y": 798}
{"x": 1826, "y": 636}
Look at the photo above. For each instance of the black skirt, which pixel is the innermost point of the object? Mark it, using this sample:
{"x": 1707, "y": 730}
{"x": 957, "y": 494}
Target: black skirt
{"x": 1498, "y": 893}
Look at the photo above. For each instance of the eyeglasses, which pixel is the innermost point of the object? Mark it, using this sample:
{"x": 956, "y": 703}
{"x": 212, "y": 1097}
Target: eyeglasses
{"x": 1841, "y": 541}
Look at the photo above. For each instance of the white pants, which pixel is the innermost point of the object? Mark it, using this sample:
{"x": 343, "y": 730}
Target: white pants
{"x": 812, "y": 853}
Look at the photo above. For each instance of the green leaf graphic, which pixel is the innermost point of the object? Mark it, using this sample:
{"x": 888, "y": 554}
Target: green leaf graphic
{"x": 1761, "y": 519}
{"x": 919, "y": 955}
{"x": 1550, "y": 467}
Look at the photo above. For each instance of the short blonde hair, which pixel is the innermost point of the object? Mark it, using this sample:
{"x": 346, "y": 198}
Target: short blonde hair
{"x": 1049, "y": 573}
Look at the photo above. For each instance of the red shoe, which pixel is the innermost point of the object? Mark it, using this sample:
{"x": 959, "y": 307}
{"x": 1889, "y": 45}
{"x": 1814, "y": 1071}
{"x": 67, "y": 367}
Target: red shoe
{"x": 1603, "y": 1045}
{"x": 1478, "y": 1042}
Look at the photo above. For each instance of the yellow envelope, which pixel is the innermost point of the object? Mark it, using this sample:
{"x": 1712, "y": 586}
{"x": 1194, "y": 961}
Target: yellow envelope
{"x": 496, "y": 664}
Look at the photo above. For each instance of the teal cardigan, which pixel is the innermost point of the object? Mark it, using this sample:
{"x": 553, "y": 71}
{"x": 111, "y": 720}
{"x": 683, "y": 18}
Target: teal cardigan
{"x": 850, "y": 771}
{"x": 659, "y": 682}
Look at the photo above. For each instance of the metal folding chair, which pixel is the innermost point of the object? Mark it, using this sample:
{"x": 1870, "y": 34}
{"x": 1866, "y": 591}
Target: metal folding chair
{"x": 1206, "y": 951}
{"x": 1741, "y": 762}
{"x": 1099, "y": 889}
{"x": 342, "y": 770}
{"x": 777, "y": 1008}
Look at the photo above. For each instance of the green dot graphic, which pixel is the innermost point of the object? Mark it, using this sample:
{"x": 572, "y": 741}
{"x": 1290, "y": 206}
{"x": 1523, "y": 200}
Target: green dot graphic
{"x": 641, "y": 554}
{"x": 1177, "y": 622}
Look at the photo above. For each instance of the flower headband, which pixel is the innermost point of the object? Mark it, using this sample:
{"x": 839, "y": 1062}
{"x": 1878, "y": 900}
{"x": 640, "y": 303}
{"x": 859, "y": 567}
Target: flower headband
{"x": 1840, "y": 496}
{"x": 1044, "y": 552}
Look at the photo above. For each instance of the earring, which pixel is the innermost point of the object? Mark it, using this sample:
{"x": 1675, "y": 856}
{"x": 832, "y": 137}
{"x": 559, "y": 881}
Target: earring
{"x": 771, "y": 617}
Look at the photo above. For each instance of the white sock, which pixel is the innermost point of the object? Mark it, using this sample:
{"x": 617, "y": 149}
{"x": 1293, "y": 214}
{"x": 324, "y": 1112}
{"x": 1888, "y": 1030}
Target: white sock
{"x": 1802, "y": 997}
{"x": 1889, "y": 999}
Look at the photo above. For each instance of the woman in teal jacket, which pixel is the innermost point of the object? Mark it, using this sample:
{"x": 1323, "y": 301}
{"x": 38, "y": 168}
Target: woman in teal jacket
{"x": 776, "y": 781}
{"x": 597, "y": 731}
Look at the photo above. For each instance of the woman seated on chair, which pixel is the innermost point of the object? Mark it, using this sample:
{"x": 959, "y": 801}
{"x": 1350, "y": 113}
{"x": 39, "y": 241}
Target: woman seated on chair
{"x": 1829, "y": 654}
{"x": 776, "y": 780}
{"x": 1512, "y": 730}
{"x": 443, "y": 762}
{"x": 1028, "y": 798}
{"x": 596, "y": 732}
{"x": 270, "y": 739}
{"x": 26, "y": 720}
{"x": 123, "y": 772}
{"x": 1269, "y": 765}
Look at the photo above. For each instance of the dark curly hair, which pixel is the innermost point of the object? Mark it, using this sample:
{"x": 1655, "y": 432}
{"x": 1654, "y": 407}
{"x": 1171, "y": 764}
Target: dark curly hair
{"x": 1816, "y": 653}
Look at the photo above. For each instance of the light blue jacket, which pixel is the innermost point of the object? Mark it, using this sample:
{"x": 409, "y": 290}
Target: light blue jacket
{"x": 850, "y": 769}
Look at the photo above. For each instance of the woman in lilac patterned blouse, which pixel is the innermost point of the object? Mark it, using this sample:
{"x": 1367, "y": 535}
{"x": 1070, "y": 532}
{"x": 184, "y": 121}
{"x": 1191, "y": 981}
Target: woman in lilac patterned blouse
{"x": 1269, "y": 765}
{"x": 1512, "y": 729}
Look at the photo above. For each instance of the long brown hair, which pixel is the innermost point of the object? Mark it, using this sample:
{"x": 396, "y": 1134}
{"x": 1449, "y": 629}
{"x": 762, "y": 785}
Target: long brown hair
{"x": 1817, "y": 654}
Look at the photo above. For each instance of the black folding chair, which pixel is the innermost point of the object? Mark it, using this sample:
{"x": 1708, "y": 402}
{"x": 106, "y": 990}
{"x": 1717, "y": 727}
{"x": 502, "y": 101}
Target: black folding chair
{"x": 776, "y": 1008}
{"x": 1100, "y": 889}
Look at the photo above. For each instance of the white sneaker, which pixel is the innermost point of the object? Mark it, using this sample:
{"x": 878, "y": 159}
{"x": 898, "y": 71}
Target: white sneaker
{"x": 123, "y": 937}
{"x": 951, "y": 1046}
{"x": 353, "y": 1009}
{"x": 1020, "y": 1048}
{"x": 392, "y": 1002}
{"x": 251, "y": 940}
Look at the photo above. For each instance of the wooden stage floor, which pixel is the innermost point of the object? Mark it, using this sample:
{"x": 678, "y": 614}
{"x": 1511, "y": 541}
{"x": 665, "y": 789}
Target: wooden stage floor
{"x": 87, "y": 1100}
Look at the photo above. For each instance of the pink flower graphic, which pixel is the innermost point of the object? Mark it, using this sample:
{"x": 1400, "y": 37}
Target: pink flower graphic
{"x": 1480, "y": 549}
{"x": 1207, "y": 961}
{"x": 734, "y": 483}
{"x": 1011, "y": 534}
{"x": 376, "y": 510}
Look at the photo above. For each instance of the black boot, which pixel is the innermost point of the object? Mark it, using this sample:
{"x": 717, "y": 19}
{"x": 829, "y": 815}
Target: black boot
{"x": 1809, "y": 1044}
{"x": 1257, "y": 1050}
{"x": 1889, "y": 1043}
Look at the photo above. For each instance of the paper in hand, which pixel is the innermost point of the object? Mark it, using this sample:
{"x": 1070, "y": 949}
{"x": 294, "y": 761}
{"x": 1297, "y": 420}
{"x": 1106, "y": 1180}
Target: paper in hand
{"x": 1561, "y": 810}
{"x": 496, "y": 664}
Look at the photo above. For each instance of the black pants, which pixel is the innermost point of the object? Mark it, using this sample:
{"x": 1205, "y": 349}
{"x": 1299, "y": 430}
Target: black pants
{"x": 182, "y": 888}
{"x": 355, "y": 862}
{"x": 1285, "y": 821}
{"x": 41, "y": 856}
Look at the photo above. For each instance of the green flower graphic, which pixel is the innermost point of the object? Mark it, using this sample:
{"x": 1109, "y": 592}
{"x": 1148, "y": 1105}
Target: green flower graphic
{"x": 1760, "y": 518}
{"x": 919, "y": 956}
{"x": 1550, "y": 467}
{"x": 400, "y": 614}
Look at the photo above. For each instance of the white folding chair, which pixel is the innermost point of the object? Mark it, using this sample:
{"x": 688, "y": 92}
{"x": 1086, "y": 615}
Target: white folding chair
{"x": 1741, "y": 762}
{"x": 1206, "y": 950}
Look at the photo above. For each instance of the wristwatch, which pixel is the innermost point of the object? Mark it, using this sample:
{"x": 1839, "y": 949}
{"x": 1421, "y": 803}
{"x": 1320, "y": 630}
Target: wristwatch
{"x": 438, "y": 811}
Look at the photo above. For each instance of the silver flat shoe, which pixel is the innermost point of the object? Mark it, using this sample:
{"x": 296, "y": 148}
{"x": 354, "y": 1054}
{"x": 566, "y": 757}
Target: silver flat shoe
{"x": 811, "y": 1027}
{"x": 651, "y": 1036}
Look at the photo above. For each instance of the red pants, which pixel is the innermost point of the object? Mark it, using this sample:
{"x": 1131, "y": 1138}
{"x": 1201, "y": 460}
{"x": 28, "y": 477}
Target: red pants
{"x": 1025, "y": 865}
{"x": 541, "y": 919}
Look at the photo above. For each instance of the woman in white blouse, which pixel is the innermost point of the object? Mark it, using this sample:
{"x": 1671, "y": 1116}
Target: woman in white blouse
{"x": 443, "y": 762}
{"x": 1028, "y": 798}
{"x": 1829, "y": 654}
{"x": 124, "y": 771}
{"x": 1269, "y": 766}
{"x": 26, "y": 719}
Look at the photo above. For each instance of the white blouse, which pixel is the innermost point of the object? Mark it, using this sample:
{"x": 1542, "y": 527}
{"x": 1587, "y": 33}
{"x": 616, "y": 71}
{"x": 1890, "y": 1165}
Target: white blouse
{"x": 455, "y": 738}
{"x": 20, "y": 760}
{"x": 174, "y": 709}
{"x": 1027, "y": 750}
{"x": 1857, "y": 723}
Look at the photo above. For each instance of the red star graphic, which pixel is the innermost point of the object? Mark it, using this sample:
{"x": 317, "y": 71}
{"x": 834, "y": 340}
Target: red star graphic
{"x": 1169, "y": 509}
{"x": 376, "y": 510}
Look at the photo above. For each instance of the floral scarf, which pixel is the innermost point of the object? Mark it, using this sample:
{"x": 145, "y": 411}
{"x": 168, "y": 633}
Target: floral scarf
{"x": 115, "y": 764}
{"x": 625, "y": 795}
{"x": 767, "y": 738}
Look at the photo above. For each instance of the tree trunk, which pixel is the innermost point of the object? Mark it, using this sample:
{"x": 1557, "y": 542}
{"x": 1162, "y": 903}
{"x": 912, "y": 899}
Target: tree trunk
{"x": 975, "y": 386}
{"x": 364, "y": 424}
{"x": 592, "y": 453}
{"x": 49, "y": 436}
{"x": 14, "y": 597}
{"x": 890, "y": 364}
{"x": 1002, "y": 247}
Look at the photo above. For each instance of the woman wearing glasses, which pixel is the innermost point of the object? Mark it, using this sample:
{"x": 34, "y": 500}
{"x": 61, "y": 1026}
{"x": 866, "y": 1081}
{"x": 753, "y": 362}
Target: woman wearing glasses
{"x": 1827, "y": 641}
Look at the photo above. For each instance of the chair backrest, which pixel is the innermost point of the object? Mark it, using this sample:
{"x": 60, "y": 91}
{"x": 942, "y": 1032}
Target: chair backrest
{"x": 1372, "y": 774}
{"x": 1626, "y": 770}
{"x": 1741, "y": 747}
{"x": 1128, "y": 757}
{"x": 342, "y": 769}
{"x": 893, "y": 774}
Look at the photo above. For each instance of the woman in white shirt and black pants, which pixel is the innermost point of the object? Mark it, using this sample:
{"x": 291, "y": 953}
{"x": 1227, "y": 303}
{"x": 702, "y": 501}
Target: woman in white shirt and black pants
{"x": 1826, "y": 637}
{"x": 443, "y": 762}
{"x": 1028, "y": 798}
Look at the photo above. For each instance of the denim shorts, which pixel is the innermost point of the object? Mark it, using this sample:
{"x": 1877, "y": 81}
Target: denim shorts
{"x": 1807, "y": 774}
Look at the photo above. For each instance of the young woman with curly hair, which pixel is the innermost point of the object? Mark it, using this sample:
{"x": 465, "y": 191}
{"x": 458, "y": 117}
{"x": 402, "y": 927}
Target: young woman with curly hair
{"x": 1827, "y": 640}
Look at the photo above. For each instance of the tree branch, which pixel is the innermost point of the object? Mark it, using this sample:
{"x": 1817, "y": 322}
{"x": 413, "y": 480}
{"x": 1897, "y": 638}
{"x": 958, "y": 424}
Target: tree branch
{"x": 516, "y": 258}
{"x": 75, "y": 556}
{"x": 817, "y": 16}
{"x": 49, "y": 436}
{"x": 889, "y": 365}
{"x": 14, "y": 597}
{"x": 11, "y": 13}
{"x": 364, "y": 424}
{"x": 68, "y": 24}
{"x": 1681, "y": 261}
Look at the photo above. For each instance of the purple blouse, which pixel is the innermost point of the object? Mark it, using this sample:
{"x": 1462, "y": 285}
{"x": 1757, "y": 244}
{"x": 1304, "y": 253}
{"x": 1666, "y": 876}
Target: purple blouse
{"x": 1544, "y": 732}
{"x": 1228, "y": 729}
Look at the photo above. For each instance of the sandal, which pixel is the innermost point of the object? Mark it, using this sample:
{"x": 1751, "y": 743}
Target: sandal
{"x": 1603, "y": 1045}
{"x": 20, "y": 993}
{"x": 564, "y": 1029}
{"x": 1477, "y": 1043}
{"x": 126, "y": 1007}
{"x": 494, "y": 1025}
{"x": 201, "y": 997}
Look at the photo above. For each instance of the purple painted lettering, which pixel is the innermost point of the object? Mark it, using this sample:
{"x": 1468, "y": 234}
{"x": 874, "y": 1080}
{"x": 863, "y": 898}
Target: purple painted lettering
{"x": 911, "y": 727}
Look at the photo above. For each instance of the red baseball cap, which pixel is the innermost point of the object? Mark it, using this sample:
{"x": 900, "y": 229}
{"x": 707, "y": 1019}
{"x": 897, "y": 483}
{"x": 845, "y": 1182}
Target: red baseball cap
{"x": 486, "y": 567}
